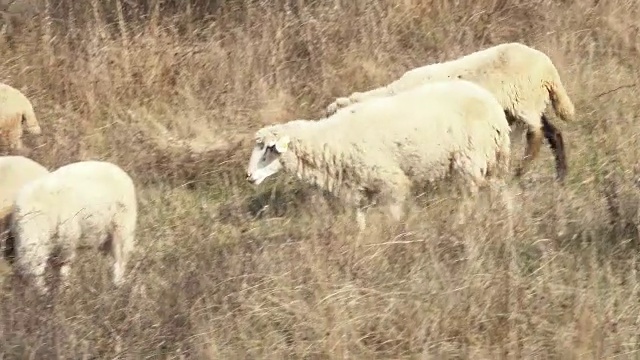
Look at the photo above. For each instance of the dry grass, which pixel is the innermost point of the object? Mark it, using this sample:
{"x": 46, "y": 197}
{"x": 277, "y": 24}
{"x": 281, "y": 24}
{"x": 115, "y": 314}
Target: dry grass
{"x": 221, "y": 275}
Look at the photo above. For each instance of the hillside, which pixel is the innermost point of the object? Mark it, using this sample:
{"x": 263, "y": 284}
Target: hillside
{"x": 229, "y": 271}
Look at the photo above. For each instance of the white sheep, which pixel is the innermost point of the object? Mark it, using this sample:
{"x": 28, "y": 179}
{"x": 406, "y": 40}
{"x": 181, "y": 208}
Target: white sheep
{"x": 375, "y": 150}
{"x": 523, "y": 79}
{"x": 16, "y": 116}
{"x": 15, "y": 172}
{"x": 88, "y": 203}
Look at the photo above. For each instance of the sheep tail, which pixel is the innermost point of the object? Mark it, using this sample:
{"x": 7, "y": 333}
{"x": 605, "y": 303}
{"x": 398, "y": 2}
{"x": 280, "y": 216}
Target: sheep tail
{"x": 559, "y": 98}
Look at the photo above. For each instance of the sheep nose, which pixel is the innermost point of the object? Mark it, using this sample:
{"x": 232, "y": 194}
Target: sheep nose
{"x": 249, "y": 179}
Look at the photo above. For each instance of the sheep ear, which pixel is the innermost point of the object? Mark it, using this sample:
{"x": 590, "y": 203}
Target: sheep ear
{"x": 282, "y": 144}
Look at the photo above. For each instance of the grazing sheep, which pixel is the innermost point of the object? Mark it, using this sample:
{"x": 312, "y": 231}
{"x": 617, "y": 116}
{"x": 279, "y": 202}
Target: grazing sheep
{"x": 88, "y": 203}
{"x": 523, "y": 79}
{"x": 15, "y": 171}
{"x": 375, "y": 150}
{"x": 16, "y": 112}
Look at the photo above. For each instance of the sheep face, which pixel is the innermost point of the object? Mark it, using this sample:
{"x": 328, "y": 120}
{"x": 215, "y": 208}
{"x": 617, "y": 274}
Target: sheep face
{"x": 265, "y": 159}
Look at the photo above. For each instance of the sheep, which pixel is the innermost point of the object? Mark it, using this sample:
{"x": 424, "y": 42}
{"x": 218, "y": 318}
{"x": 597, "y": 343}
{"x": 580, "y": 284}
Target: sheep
{"x": 82, "y": 204}
{"x": 373, "y": 151}
{"x": 16, "y": 112}
{"x": 523, "y": 79}
{"x": 15, "y": 171}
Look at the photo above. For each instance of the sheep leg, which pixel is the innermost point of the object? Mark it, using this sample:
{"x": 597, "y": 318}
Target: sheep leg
{"x": 534, "y": 142}
{"x": 67, "y": 255}
{"x": 361, "y": 219}
{"x": 17, "y": 144}
{"x": 119, "y": 265}
{"x": 469, "y": 199}
{"x": 554, "y": 137}
{"x": 71, "y": 232}
{"x": 38, "y": 274}
{"x": 499, "y": 188}
{"x": 34, "y": 264}
{"x": 14, "y": 137}
{"x": 397, "y": 206}
{"x": 397, "y": 192}
{"x": 12, "y": 142}
{"x": 65, "y": 268}
{"x": 121, "y": 245}
{"x": 396, "y": 211}
{"x": 361, "y": 203}
{"x": 469, "y": 179}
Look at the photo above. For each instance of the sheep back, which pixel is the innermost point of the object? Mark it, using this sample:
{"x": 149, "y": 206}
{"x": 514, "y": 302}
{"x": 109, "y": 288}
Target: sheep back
{"x": 522, "y": 78}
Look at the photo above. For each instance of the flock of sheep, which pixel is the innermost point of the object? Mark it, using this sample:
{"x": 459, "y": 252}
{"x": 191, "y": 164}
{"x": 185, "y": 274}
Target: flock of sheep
{"x": 449, "y": 120}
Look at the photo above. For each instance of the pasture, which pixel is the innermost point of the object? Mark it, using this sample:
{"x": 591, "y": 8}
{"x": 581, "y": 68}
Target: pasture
{"x": 225, "y": 270}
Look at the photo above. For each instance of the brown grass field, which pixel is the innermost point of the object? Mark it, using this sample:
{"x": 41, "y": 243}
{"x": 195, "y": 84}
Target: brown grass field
{"x": 224, "y": 270}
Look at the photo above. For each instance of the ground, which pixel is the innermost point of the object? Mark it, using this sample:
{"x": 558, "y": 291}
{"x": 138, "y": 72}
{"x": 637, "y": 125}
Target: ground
{"x": 224, "y": 270}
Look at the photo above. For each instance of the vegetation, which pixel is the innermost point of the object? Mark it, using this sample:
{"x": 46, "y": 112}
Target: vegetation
{"x": 228, "y": 271}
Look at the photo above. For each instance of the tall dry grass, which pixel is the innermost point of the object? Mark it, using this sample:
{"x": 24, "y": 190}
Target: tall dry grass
{"x": 226, "y": 271}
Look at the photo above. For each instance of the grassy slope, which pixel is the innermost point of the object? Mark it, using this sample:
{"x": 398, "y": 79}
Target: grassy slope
{"x": 214, "y": 280}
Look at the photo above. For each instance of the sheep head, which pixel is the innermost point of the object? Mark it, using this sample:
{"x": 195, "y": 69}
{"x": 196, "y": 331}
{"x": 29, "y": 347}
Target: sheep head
{"x": 265, "y": 158}
{"x": 30, "y": 124}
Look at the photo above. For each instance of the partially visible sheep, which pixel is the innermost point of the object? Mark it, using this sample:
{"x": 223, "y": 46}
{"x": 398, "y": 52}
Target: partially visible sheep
{"x": 16, "y": 112}
{"x": 523, "y": 79}
{"x": 376, "y": 150}
{"x": 15, "y": 172}
{"x": 88, "y": 203}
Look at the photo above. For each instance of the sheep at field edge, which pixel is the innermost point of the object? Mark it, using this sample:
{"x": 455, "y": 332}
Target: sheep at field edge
{"x": 16, "y": 112}
{"x": 15, "y": 172}
{"x": 523, "y": 79}
{"x": 375, "y": 150}
{"x": 83, "y": 204}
